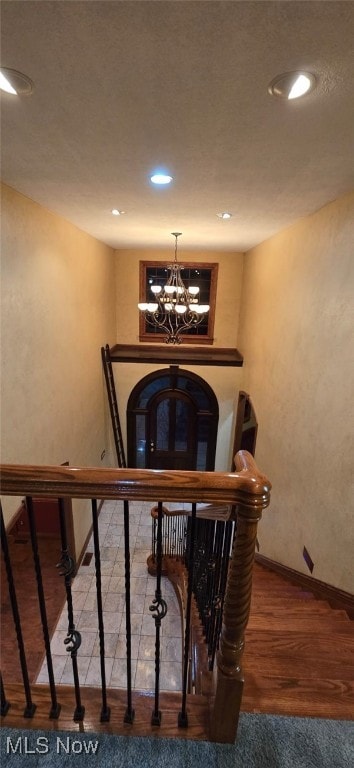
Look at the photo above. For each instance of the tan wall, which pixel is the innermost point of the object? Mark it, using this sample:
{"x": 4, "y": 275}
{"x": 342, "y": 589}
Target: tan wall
{"x": 228, "y": 296}
{"x": 296, "y": 335}
{"x": 57, "y": 310}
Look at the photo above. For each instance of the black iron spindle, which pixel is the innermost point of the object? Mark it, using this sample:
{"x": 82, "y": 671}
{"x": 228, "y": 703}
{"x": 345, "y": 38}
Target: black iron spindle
{"x": 154, "y": 529}
{"x": 210, "y": 575}
{"x": 5, "y": 705}
{"x": 173, "y": 538}
{"x": 55, "y": 708}
{"x": 222, "y": 589}
{"x": 216, "y": 597}
{"x": 129, "y": 713}
{"x": 73, "y": 638}
{"x": 183, "y": 716}
{"x": 30, "y": 708}
{"x": 158, "y": 607}
{"x": 105, "y": 711}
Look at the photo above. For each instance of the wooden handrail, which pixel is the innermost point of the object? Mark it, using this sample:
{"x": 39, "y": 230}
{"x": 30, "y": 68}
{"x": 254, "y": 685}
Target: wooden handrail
{"x": 247, "y": 491}
{"x": 246, "y": 485}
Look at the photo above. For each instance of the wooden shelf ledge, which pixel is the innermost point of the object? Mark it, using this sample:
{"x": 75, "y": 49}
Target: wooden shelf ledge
{"x": 166, "y": 353}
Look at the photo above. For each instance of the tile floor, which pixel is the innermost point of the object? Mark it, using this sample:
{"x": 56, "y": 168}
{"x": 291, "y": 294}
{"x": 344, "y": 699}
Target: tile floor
{"x": 142, "y": 623}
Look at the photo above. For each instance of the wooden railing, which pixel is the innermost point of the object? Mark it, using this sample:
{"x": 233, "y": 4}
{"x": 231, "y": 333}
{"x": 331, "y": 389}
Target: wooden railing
{"x": 247, "y": 492}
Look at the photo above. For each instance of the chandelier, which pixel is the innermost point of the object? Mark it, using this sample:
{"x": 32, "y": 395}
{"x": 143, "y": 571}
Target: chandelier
{"x": 175, "y": 308}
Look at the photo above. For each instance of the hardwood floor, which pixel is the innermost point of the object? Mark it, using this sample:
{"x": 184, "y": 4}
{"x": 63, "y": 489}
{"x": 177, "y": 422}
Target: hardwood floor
{"x": 27, "y": 597}
{"x": 299, "y": 656}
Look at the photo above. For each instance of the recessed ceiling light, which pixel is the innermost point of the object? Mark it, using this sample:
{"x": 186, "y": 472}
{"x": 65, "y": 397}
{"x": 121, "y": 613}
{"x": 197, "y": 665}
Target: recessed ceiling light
{"x": 161, "y": 178}
{"x": 224, "y": 215}
{"x": 15, "y": 83}
{"x": 116, "y": 212}
{"x": 292, "y": 85}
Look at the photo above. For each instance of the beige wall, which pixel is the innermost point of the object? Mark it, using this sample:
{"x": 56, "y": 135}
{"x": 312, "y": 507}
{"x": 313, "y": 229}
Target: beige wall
{"x": 57, "y": 310}
{"x": 228, "y": 296}
{"x": 296, "y": 336}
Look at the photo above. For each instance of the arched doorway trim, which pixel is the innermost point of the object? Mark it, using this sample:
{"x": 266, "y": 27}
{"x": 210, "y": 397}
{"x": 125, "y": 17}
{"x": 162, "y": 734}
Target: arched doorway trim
{"x": 172, "y": 421}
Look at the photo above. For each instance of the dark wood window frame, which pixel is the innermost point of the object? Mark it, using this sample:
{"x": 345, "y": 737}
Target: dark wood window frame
{"x": 149, "y": 336}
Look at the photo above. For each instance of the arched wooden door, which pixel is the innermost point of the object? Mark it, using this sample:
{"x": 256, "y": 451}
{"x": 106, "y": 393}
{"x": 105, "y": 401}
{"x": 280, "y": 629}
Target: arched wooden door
{"x": 172, "y": 420}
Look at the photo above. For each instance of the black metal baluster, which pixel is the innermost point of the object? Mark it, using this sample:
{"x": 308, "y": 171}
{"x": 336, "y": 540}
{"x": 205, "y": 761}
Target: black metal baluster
{"x": 168, "y": 535}
{"x": 30, "y": 708}
{"x": 73, "y": 638}
{"x": 183, "y": 716}
{"x": 55, "y": 709}
{"x": 201, "y": 573}
{"x": 223, "y": 580}
{"x": 160, "y": 608}
{"x": 215, "y": 599}
{"x": 153, "y": 536}
{"x": 173, "y": 537}
{"x": 5, "y": 706}
{"x": 154, "y": 528}
{"x": 105, "y": 711}
{"x": 210, "y": 581}
{"x": 129, "y": 713}
{"x": 180, "y": 538}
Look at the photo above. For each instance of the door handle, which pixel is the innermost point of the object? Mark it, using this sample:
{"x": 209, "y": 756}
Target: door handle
{"x": 152, "y": 446}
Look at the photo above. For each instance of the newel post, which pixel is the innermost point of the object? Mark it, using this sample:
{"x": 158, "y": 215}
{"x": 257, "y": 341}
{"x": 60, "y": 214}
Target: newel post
{"x": 228, "y": 678}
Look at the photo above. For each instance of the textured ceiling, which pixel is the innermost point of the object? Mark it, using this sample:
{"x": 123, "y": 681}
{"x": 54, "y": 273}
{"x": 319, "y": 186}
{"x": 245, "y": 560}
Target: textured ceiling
{"x": 122, "y": 88}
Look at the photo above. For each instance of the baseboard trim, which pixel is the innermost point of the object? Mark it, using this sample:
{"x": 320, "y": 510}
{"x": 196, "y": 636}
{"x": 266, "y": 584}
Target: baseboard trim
{"x": 337, "y": 598}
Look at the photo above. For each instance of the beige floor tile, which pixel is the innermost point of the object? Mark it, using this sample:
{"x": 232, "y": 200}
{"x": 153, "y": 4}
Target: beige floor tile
{"x": 138, "y": 585}
{"x": 58, "y": 668}
{"x": 145, "y": 675}
{"x": 121, "y": 646}
{"x": 79, "y": 599}
{"x": 114, "y": 601}
{"x": 110, "y": 644}
{"x": 172, "y": 626}
{"x": 117, "y": 584}
{"x": 171, "y": 649}
{"x": 88, "y": 640}
{"x": 170, "y": 676}
{"x": 81, "y": 583}
{"x": 147, "y": 647}
{"x": 93, "y": 676}
{"x": 90, "y": 603}
{"x": 67, "y": 677}
{"x": 119, "y": 673}
{"x": 148, "y": 626}
{"x": 88, "y": 621}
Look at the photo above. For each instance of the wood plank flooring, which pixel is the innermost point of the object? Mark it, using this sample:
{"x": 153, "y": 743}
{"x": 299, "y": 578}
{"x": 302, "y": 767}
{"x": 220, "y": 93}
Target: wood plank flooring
{"x": 27, "y": 597}
{"x": 299, "y": 655}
